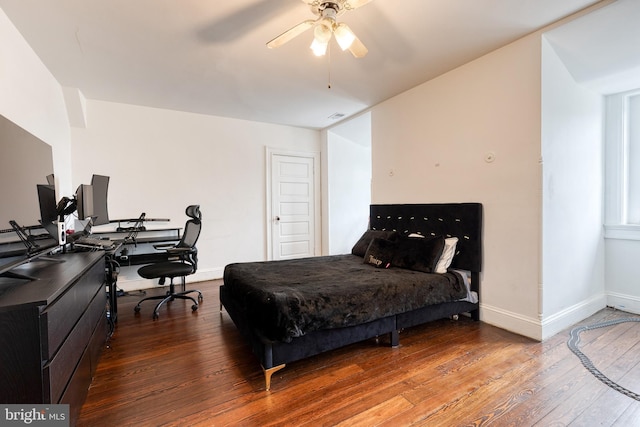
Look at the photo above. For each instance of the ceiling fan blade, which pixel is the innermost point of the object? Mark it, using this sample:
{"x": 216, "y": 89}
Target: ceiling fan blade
{"x": 291, "y": 33}
{"x": 358, "y": 49}
{"x": 348, "y": 40}
{"x": 354, "y": 4}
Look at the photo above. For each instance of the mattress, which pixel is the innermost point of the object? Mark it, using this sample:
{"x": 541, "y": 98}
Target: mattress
{"x": 287, "y": 299}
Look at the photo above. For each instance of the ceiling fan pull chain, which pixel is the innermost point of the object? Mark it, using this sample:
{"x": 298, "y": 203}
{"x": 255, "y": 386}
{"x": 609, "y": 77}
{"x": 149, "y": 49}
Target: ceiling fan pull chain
{"x": 329, "y": 67}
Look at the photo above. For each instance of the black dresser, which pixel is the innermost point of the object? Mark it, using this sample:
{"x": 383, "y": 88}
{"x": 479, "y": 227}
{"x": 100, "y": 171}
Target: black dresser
{"x": 53, "y": 330}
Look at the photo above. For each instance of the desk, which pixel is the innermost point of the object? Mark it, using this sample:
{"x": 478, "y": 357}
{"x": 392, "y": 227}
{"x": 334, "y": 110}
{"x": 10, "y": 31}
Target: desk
{"x": 140, "y": 250}
{"x": 133, "y": 252}
{"x": 53, "y": 330}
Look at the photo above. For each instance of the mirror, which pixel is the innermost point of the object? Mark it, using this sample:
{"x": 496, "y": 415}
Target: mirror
{"x": 25, "y": 162}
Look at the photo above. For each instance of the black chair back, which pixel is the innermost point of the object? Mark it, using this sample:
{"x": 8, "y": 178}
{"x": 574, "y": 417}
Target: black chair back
{"x": 191, "y": 228}
{"x": 191, "y": 234}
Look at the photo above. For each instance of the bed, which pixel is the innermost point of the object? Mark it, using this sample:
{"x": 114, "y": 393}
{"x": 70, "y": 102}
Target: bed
{"x": 416, "y": 263}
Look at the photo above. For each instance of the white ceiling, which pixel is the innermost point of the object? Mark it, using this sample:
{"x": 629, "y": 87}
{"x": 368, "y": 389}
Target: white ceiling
{"x": 602, "y": 49}
{"x": 209, "y": 57}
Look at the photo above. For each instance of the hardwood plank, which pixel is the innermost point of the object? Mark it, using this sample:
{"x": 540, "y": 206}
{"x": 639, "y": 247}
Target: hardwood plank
{"x": 378, "y": 413}
{"x": 629, "y": 418}
{"x": 195, "y": 369}
{"x": 604, "y": 346}
{"x": 470, "y": 394}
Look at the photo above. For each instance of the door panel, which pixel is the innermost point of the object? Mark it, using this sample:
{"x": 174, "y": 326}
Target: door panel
{"x": 292, "y": 206}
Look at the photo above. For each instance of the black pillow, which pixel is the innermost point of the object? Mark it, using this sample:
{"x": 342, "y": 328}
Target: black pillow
{"x": 420, "y": 254}
{"x": 380, "y": 253}
{"x": 360, "y": 248}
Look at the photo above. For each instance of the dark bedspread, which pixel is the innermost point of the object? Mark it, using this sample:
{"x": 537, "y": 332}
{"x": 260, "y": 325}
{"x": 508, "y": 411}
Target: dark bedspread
{"x": 286, "y": 299}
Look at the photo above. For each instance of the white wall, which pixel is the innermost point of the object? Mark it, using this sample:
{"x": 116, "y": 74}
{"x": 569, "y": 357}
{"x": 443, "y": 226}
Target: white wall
{"x": 573, "y": 239}
{"x": 623, "y": 282}
{"x": 514, "y": 131}
{"x": 600, "y": 51}
{"x": 160, "y": 161}
{"x": 622, "y": 241}
{"x": 349, "y": 193}
{"x": 33, "y": 99}
{"x": 430, "y": 144}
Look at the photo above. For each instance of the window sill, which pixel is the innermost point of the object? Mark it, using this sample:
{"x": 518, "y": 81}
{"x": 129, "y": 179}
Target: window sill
{"x": 622, "y": 232}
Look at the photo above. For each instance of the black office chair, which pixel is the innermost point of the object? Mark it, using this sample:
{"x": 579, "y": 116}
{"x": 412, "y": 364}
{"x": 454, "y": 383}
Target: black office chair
{"x": 183, "y": 261}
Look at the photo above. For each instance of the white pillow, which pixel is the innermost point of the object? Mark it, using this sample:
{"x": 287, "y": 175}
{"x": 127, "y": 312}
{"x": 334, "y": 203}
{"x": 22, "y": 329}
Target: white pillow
{"x": 447, "y": 254}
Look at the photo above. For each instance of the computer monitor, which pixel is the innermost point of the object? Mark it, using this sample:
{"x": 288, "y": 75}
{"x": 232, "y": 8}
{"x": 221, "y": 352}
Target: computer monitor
{"x": 100, "y": 185}
{"x": 84, "y": 201}
{"x": 48, "y": 204}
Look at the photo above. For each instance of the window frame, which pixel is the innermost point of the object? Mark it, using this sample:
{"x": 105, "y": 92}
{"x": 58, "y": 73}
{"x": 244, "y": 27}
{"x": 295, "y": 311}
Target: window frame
{"x": 617, "y": 167}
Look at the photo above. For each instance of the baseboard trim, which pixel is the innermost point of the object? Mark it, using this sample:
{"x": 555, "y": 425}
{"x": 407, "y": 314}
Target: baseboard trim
{"x": 623, "y": 302}
{"x": 568, "y": 317}
{"x": 128, "y": 279}
{"x": 511, "y": 321}
{"x": 540, "y": 330}
{"x": 208, "y": 274}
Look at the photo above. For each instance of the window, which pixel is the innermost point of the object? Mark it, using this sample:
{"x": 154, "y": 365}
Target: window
{"x": 631, "y": 109}
{"x": 622, "y": 208}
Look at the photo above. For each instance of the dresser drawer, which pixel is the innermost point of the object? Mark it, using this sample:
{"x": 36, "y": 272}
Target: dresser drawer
{"x": 59, "y": 318}
{"x": 52, "y": 330}
{"x": 20, "y": 363}
{"x": 78, "y": 387}
{"x": 57, "y": 372}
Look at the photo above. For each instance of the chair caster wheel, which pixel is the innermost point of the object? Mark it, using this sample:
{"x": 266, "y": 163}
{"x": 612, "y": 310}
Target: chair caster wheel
{"x": 155, "y": 316}
{"x": 200, "y": 298}
{"x": 136, "y": 309}
{"x": 194, "y": 307}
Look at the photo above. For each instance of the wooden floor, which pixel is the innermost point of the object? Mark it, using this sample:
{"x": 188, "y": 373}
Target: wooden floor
{"x": 194, "y": 369}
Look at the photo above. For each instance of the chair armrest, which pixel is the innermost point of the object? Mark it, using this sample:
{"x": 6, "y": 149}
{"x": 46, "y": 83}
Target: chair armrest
{"x": 163, "y": 246}
{"x": 179, "y": 250}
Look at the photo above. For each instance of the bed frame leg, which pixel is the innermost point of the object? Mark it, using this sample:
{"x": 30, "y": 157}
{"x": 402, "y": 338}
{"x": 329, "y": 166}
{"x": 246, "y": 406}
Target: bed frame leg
{"x": 268, "y": 373}
{"x": 395, "y": 338}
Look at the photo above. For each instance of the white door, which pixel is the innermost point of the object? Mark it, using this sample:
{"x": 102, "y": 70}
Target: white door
{"x": 292, "y": 206}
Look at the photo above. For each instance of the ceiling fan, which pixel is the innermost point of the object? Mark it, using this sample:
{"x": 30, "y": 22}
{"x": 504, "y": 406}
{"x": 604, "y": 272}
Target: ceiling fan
{"x": 326, "y": 25}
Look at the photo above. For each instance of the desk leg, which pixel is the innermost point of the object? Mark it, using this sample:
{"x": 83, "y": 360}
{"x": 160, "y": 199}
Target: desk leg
{"x": 112, "y": 280}
{"x": 113, "y": 301}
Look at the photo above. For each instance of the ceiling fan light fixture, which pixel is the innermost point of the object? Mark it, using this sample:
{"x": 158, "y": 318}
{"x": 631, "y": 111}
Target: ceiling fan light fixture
{"x": 344, "y": 36}
{"x": 325, "y": 26}
{"x": 321, "y": 37}
{"x": 319, "y": 48}
{"x": 322, "y": 33}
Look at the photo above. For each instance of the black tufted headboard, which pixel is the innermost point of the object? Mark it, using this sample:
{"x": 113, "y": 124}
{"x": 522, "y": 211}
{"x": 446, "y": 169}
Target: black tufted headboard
{"x": 461, "y": 220}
